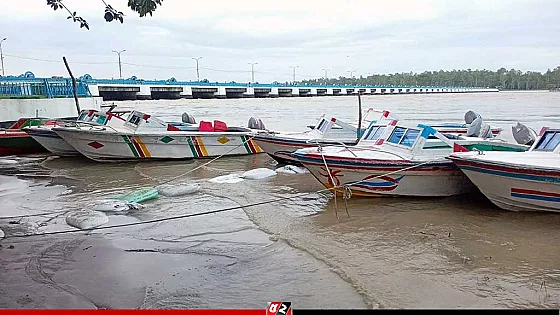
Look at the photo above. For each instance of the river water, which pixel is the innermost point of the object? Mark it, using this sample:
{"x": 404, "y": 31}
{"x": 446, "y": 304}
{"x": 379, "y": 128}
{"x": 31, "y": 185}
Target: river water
{"x": 386, "y": 253}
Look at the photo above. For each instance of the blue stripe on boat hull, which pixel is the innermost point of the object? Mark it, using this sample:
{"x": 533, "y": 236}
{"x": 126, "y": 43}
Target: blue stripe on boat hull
{"x": 547, "y": 179}
{"x": 536, "y": 197}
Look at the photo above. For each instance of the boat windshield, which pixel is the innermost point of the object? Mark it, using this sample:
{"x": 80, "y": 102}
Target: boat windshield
{"x": 134, "y": 119}
{"x": 102, "y": 119}
{"x": 322, "y": 125}
{"x": 83, "y": 116}
{"x": 404, "y": 136}
{"x": 374, "y": 133}
{"x": 549, "y": 141}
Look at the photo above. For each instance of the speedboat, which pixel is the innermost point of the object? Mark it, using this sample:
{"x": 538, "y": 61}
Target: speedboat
{"x": 327, "y": 131}
{"x": 13, "y": 140}
{"x": 51, "y": 141}
{"x": 143, "y": 136}
{"x": 523, "y": 181}
{"x": 398, "y": 160}
{"x": 281, "y": 145}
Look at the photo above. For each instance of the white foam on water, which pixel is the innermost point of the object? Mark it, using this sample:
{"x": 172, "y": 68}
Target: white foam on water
{"x": 292, "y": 169}
{"x": 177, "y": 190}
{"x": 2, "y": 234}
{"x": 258, "y": 173}
{"x": 227, "y": 179}
{"x": 86, "y": 219}
{"x": 113, "y": 205}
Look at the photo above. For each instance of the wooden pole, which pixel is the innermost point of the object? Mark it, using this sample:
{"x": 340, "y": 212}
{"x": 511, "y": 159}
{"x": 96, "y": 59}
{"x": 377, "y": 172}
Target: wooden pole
{"x": 74, "y": 87}
{"x": 359, "y": 131}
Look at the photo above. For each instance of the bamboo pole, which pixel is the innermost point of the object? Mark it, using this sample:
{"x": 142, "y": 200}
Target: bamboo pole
{"x": 359, "y": 131}
{"x": 74, "y": 88}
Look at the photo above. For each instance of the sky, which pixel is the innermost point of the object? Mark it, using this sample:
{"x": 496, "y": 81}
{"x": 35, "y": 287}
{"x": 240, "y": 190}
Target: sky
{"x": 354, "y": 36}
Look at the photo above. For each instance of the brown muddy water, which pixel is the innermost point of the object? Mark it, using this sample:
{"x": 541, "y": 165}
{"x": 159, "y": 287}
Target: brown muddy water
{"x": 389, "y": 252}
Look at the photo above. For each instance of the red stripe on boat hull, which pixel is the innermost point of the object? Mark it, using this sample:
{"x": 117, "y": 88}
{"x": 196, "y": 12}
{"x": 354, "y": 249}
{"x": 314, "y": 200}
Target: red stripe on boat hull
{"x": 534, "y": 192}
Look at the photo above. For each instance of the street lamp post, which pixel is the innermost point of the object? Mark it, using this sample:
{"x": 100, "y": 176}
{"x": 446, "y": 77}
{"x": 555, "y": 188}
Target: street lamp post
{"x": 351, "y": 72}
{"x": 2, "y": 56}
{"x": 294, "y": 73}
{"x": 120, "y": 67}
{"x": 253, "y": 70}
{"x": 197, "y": 73}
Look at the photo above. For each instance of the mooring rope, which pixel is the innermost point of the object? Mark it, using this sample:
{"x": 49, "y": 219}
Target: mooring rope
{"x": 173, "y": 178}
{"x": 208, "y": 212}
{"x": 207, "y": 163}
{"x": 112, "y": 189}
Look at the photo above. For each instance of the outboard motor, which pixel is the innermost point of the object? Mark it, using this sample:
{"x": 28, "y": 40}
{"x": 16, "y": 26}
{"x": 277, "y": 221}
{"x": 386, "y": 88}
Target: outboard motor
{"x": 485, "y": 131}
{"x": 470, "y": 116}
{"x": 523, "y": 134}
{"x": 188, "y": 119}
{"x": 475, "y": 126}
{"x": 255, "y": 123}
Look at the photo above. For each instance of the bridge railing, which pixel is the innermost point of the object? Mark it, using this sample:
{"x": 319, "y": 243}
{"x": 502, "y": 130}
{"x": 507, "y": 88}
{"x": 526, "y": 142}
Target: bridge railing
{"x": 131, "y": 81}
{"x": 41, "y": 88}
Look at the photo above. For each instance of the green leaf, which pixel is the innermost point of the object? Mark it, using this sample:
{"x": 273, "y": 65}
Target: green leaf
{"x": 144, "y": 7}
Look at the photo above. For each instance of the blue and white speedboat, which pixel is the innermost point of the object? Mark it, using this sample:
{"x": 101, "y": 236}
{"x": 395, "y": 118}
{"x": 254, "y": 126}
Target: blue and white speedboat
{"x": 397, "y": 160}
{"x": 522, "y": 181}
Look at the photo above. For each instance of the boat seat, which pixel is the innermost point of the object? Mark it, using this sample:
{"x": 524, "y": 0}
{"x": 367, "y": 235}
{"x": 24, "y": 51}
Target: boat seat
{"x": 205, "y": 126}
{"x": 220, "y": 126}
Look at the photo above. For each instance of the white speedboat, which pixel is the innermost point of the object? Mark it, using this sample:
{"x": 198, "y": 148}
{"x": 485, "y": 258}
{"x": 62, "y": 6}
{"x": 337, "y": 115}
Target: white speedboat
{"x": 524, "y": 181}
{"x": 142, "y": 136}
{"x": 327, "y": 131}
{"x": 51, "y": 141}
{"x": 397, "y": 160}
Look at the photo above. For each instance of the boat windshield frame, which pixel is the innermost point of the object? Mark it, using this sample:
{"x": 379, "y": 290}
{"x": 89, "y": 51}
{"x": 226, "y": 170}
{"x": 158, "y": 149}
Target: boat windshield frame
{"x": 83, "y": 115}
{"x": 134, "y": 120}
{"x": 549, "y": 141}
{"x": 374, "y": 130}
{"x": 321, "y": 125}
{"x": 407, "y": 139}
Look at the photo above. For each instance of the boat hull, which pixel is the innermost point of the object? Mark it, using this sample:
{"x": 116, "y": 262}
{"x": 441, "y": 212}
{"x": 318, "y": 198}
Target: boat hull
{"x": 18, "y": 142}
{"x": 365, "y": 178}
{"x": 51, "y": 141}
{"x": 514, "y": 188}
{"x": 106, "y": 146}
{"x": 282, "y": 149}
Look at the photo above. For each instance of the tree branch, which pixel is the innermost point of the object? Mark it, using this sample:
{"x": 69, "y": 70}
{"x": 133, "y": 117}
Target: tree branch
{"x": 143, "y": 7}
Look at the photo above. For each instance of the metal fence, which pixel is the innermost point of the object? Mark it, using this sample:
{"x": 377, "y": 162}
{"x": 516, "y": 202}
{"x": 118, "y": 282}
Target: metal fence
{"x": 41, "y": 88}
{"x": 134, "y": 81}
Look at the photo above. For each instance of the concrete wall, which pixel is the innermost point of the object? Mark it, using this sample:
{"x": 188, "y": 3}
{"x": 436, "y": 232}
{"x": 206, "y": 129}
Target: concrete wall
{"x": 14, "y": 109}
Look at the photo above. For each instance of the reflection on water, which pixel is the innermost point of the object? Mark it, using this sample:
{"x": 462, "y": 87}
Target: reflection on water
{"x": 394, "y": 252}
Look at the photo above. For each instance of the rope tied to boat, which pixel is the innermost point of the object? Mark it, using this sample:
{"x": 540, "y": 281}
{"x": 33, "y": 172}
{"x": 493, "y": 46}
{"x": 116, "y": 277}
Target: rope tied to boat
{"x": 335, "y": 186}
{"x": 207, "y": 163}
{"x": 347, "y": 193}
{"x": 170, "y": 218}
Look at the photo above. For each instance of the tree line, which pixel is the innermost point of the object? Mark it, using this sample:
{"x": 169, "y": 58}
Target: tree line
{"x": 502, "y": 79}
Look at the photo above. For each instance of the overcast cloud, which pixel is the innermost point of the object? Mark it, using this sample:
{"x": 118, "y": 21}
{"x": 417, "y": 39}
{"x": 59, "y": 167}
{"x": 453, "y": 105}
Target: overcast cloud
{"x": 366, "y": 36}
